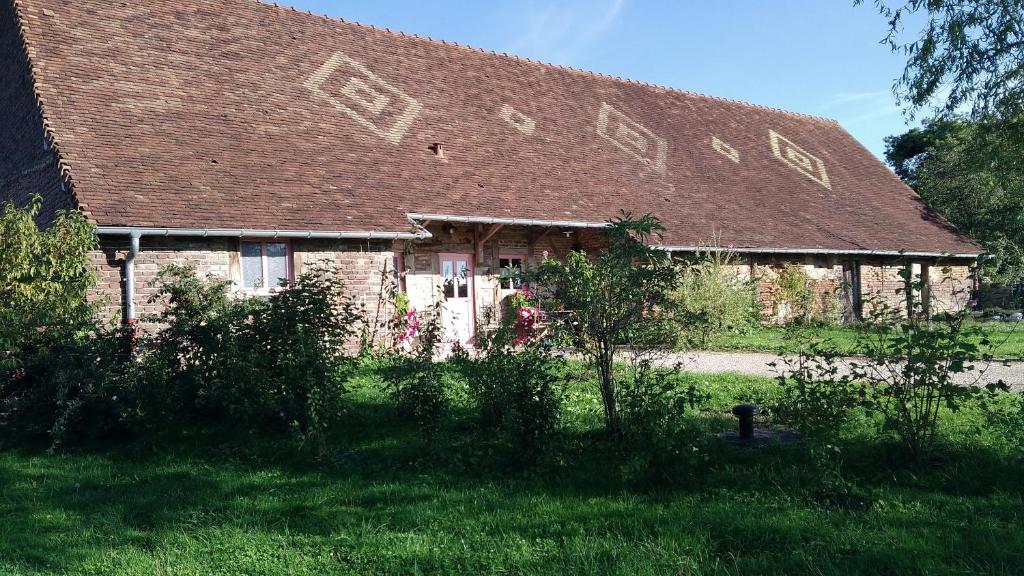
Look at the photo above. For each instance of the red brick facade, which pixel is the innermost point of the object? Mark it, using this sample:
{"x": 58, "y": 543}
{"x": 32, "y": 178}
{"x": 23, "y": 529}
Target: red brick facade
{"x": 361, "y": 264}
{"x": 366, "y": 266}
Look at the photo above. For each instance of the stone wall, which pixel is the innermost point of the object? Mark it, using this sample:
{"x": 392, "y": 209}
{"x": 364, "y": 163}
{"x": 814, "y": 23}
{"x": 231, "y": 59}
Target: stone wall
{"x": 367, "y": 268}
{"x": 361, "y": 263}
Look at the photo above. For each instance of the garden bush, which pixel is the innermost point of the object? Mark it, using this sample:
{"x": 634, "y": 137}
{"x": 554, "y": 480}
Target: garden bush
{"x": 515, "y": 391}
{"x": 659, "y": 433}
{"x": 711, "y": 299}
{"x": 56, "y": 364}
{"x": 907, "y": 376}
{"x": 258, "y": 362}
{"x": 814, "y": 398}
{"x": 419, "y": 386}
{"x": 614, "y": 298}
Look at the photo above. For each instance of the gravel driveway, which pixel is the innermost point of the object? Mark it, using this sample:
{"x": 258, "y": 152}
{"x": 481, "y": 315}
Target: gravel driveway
{"x": 756, "y": 364}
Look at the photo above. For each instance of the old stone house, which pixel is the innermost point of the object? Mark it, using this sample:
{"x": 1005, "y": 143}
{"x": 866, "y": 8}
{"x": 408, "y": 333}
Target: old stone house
{"x": 251, "y": 140}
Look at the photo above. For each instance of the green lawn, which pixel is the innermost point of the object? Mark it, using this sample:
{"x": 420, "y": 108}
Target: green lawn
{"x": 1007, "y": 339}
{"x": 391, "y": 499}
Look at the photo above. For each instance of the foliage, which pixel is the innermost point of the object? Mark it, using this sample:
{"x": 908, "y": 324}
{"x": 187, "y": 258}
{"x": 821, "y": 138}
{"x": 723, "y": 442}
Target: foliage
{"x": 278, "y": 361}
{"x": 972, "y": 174}
{"x": 515, "y": 392}
{"x": 710, "y": 299}
{"x": 417, "y": 384}
{"x": 908, "y": 375}
{"x": 1008, "y": 418}
{"x": 972, "y": 51}
{"x": 522, "y": 315}
{"x": 815, "y": 397}
{"x": 797, "y": 292}
{"x": 911, "y": 364}
{"x": 655, "y": 406}
{"x": 44, "y": 279}
{"x": 54, "y": 359}
{"x": 617, "y": 296}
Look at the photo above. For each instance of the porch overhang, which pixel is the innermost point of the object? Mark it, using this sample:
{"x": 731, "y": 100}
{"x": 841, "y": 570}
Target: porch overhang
{"x": 422, "y": 219}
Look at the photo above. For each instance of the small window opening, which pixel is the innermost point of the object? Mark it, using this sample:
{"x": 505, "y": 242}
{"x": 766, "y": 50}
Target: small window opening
{"x": 511, "y": 277}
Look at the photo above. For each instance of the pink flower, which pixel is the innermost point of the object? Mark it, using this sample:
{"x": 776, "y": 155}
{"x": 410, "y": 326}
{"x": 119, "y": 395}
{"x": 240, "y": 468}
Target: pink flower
{"x": 545, "y": 254}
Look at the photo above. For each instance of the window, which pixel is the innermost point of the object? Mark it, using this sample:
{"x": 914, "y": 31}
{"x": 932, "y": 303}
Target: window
{"x": 265, "y": 264}
{"x": 455, "y": 274}
{"x": 511, "y": 273}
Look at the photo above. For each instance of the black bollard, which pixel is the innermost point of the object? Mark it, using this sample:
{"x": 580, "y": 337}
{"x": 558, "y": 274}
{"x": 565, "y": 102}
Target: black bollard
{"x": 745, "y": 413}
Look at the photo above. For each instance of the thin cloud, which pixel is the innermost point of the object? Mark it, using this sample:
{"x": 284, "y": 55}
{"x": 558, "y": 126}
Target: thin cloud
{"x": 560, "y": 33}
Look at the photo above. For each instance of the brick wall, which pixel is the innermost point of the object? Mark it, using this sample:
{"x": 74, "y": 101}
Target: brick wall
{"x": 210, "y": 257}
{"x": 360, "y": 263}
{"x": 824, "y": 273}
{"x": 27, "y": 167}
{"x": 366, "y": 266}
{"x": 949, "y": 284}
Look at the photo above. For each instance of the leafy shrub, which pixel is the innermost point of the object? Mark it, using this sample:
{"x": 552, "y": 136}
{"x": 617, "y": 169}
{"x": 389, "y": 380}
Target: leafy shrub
{"x": 654, "y": 404}
{"x": 711, "y": 299}
{"x": 797, "y": 292}
{"x": 54, "y": 359}
{"x": 613, "y": 298}
{"x": 908, "y": 376}
{"x": 418, "y": 384}
{"x": 44, "y": 279}
{"x": 814, "y": 398}
{"x": 515, "y": 392}
{"x": 278, "y": 361}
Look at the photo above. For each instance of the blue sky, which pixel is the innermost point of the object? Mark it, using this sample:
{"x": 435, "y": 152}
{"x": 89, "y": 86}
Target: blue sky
{"x": 818, "y": 57}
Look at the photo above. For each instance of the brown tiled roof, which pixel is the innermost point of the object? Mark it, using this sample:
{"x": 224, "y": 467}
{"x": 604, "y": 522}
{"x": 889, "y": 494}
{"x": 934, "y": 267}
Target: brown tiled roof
{"x": 234, "y": 113}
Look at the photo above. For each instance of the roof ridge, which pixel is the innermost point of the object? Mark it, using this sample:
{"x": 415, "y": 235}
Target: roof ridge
{"x": 582, "y": 71}
{"x": 63, "y": 166}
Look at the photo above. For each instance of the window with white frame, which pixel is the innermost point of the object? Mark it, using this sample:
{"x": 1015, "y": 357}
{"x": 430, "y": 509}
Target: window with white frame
{"x": 265, "y": 264}
{"x": 511, "y": 270}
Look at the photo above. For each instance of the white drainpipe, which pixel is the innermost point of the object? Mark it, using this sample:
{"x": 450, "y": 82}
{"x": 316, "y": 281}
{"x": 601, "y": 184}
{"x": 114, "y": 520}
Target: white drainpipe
{"x": 134, "y": 239}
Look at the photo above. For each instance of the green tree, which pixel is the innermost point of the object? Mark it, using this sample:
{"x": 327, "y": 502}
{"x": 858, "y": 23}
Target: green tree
{"x": 617, "y": 297}
{"x": 44, "y": 279}
{"x": 974, "y": 49}
{"x": 971, "y": 174}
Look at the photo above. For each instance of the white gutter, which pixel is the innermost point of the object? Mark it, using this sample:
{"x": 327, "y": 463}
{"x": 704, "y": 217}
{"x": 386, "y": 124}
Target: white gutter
{"x": 256, "y": 233}
{"x": 507, "y": 221}
{"x": 830, "y": 251}
{"x": 135, "y": 235}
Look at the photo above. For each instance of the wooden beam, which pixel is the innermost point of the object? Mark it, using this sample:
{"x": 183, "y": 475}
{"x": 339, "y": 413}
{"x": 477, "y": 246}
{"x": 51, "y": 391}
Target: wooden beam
{"x": 558, "y": 253}
{"x": 491, "y": 232}
{"x": 478, "y": 245}
{"x": 544, "y": 234}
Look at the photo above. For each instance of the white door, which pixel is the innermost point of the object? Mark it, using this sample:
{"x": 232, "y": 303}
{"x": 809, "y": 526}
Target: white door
{"x": 457, "y": 291}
